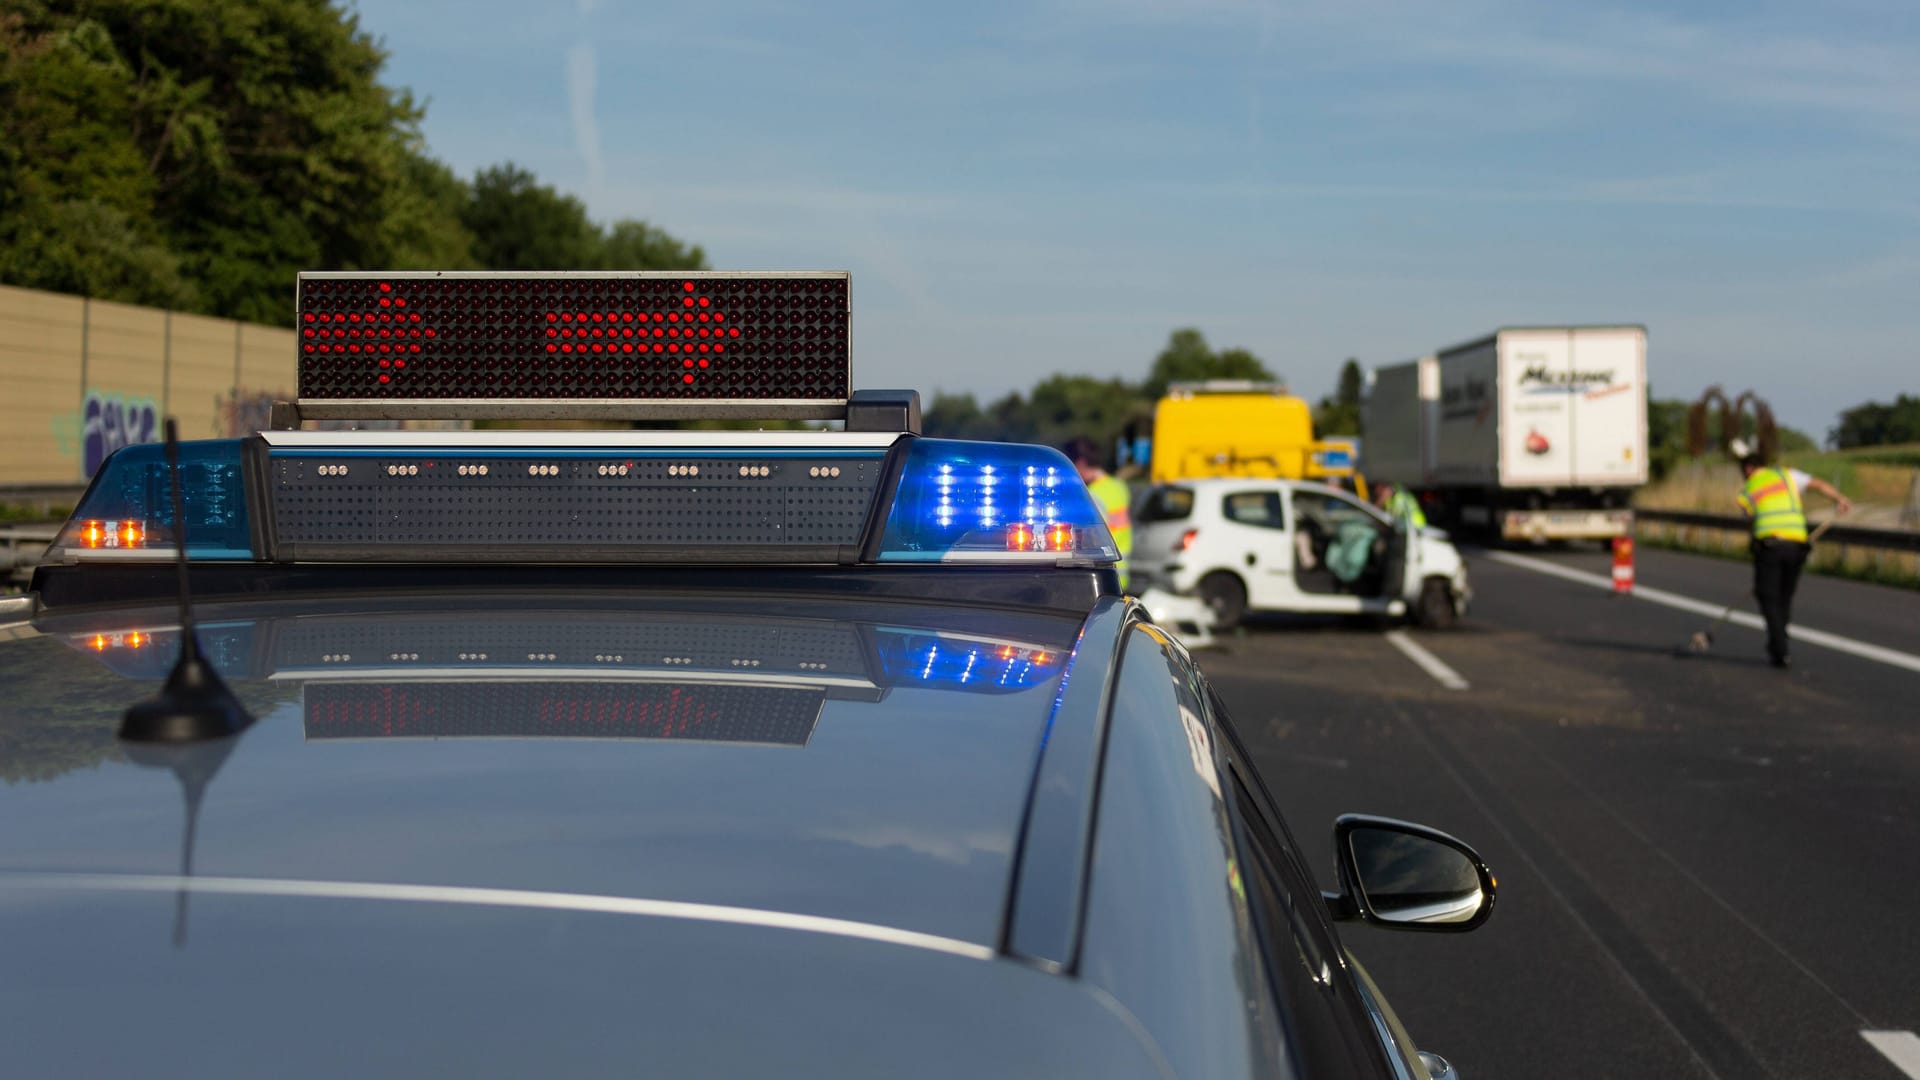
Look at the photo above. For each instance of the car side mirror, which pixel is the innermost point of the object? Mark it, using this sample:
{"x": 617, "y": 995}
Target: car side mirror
{"x": 1402, "y": 876}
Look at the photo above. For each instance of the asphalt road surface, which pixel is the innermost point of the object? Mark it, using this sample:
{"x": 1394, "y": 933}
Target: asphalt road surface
{"x": 1707, "y": 867}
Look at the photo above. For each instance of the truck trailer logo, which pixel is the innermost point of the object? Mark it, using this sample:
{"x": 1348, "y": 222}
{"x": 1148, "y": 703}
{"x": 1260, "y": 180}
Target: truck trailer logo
{"x": 1539, "y": 379}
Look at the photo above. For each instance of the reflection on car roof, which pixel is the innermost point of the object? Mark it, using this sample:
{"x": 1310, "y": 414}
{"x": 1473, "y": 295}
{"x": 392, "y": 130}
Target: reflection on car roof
{"x": 776, "y": 763}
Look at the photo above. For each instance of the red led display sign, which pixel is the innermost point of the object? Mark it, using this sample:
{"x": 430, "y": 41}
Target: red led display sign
{"x": 573, "y": 337}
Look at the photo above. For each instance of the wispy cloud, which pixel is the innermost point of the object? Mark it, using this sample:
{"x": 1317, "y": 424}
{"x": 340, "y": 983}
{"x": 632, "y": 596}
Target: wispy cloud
{"x": 1726, "y": 61}
{"x": 586, "y": 129}
{"x": 1731, "y": 59}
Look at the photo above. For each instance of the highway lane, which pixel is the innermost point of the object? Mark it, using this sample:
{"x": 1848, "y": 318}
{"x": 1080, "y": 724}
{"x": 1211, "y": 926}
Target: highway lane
{"x": 1889, "y": 617}
{"x": 1707, "y": 866}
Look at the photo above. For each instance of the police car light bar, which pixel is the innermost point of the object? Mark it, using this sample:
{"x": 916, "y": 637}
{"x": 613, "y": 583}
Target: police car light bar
{"x": 624, "y": 344}
{"x": 523, "y": 497}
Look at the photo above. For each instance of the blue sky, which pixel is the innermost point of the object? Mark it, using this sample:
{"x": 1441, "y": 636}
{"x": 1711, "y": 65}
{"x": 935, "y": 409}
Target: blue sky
{"x": 1023, "y": 189}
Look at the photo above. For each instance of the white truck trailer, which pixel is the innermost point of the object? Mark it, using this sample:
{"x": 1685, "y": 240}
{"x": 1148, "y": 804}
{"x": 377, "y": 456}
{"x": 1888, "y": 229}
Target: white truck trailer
{"x": 1530, "y": 433}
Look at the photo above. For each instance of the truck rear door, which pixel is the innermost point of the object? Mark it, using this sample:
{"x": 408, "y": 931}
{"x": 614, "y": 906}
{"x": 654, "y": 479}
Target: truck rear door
{"x": 1536, "y": 430}
{"x": 1608, "y": 402}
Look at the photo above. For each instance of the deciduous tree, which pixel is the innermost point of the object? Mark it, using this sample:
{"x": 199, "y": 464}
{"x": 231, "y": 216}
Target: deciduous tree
{"x": 1188, "y": 358}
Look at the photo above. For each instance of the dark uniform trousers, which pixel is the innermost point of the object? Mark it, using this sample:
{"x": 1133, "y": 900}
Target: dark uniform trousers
{"x": 1776, "y": 572}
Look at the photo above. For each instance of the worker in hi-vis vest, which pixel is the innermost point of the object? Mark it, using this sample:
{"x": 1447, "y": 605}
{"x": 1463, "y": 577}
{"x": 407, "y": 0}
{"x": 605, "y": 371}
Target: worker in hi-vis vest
{"x": 1109, "y": 491}
{"x": 1399, "y": 503}
{"x": 1772, "y": 498}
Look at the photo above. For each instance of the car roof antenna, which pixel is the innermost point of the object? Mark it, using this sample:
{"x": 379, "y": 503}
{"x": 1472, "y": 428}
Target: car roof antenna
{"x": 194, "y": 704}
{"x": 186, "y": 728}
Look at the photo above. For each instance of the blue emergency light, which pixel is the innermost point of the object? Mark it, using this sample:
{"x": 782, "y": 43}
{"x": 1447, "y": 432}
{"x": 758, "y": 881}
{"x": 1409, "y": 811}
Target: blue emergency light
{"x": 988, "y": 502}
{"x": 127, "y": 513}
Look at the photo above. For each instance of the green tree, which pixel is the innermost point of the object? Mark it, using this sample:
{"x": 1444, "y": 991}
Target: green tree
{"x": 636, "y": 245}
{"x": 1667, "y": 434}
{"x": 198, "y": 153}
{"x": 1010, "y": 419}
{"x": 519, "y": 223}
{"x": 955, "y": 416}
{"x": 426, "y": 231}
{"x": 1061, "y": 407}
{"x": 1339, "y": 414}
{"x": 1874, "y": 424}
{"x": 90, "y": 248}
{"x": 248, "y": 138}
{"x": 1188, "y": 358}
{"x": 75, "y": 191}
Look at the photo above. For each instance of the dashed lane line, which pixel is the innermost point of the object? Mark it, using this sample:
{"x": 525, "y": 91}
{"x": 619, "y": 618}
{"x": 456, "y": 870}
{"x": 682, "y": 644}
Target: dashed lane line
{"x": 1428, "y": 662}
{"x": 1900, "y": 1047}
{"x": 1863, "y": 649}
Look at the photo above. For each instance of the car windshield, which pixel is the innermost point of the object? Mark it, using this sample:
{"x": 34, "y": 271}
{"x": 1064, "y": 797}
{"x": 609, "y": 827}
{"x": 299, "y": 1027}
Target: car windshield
{"x": 1331, "y": 510}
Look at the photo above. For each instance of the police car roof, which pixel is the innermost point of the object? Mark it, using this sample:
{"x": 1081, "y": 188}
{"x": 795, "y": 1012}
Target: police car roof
{"x": 463, "y": 816}
{"x": 694, "y": 752}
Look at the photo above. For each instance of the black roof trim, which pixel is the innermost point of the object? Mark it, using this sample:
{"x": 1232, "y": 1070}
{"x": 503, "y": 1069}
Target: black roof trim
{"x": 1048, "y": 589}
{"x": 1048, "y": 894}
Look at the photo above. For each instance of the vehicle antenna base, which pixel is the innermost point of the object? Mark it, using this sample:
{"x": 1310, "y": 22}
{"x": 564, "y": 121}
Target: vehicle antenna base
{"x": 195, "y": 705}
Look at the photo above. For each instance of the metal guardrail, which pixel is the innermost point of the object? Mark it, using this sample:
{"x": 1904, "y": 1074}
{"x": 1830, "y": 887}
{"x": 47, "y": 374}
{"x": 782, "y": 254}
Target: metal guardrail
{"x": 1849, "y": 535}
{"x": 21, "y": 547}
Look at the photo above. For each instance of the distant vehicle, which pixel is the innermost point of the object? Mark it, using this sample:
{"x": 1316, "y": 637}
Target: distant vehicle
{"x": 1293, "y": 546}
{"x": 1530, "y": 433}
{"x": 1241, "y": 428}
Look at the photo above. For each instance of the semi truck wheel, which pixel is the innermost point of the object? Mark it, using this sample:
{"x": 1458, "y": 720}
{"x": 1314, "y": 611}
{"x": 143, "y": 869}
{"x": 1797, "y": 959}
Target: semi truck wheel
{"x": 1226, "y": 596}
{"x": 1436, "y": 610}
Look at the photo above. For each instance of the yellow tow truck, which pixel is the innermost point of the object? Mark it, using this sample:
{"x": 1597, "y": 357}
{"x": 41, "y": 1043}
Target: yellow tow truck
{"x": 1244, "y": 428}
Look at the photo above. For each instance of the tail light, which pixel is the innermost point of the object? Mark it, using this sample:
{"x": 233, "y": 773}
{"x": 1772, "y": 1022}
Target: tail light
{"x": 1186, "y": 540}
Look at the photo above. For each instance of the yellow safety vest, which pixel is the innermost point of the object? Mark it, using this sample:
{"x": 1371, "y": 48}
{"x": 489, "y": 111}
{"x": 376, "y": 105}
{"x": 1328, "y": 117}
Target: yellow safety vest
{"x": 1112, "y": 495}
{"x": 1402, "y": 504}
{"x": 1774, "y": 502}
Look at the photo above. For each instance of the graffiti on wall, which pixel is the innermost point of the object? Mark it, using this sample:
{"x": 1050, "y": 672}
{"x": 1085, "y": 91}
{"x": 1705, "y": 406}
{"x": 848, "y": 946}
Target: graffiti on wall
{"x": 243, "y": 412}
{"x": 110, "y": 421}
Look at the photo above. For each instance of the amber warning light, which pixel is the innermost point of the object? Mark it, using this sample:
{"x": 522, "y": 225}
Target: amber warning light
{"x": 590, "y": 337}
{"x": 113, "y": 534}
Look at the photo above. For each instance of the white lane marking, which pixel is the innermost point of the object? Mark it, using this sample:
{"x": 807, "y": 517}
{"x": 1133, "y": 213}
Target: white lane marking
{"x": 1428, "y": 662}
{"x": 516, "y": 898}
{"x": 1900, "y": 1047}
{"x": 1864, "y": 650}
